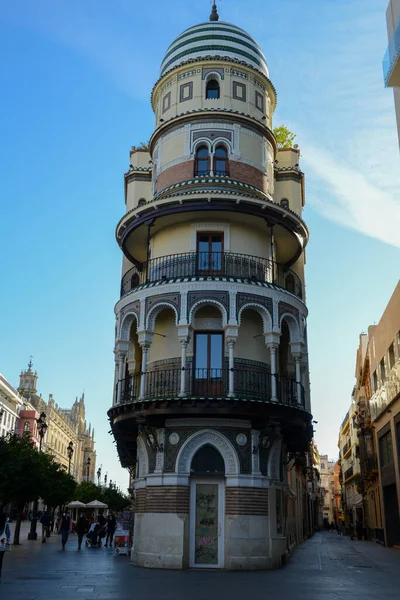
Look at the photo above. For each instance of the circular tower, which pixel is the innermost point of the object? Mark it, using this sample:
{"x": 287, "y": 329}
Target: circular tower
{"x": 211, "y": 390}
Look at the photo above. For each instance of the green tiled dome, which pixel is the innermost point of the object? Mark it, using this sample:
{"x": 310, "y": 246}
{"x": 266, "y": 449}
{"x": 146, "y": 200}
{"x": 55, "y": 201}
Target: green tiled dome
{"x": 214, "y": 38}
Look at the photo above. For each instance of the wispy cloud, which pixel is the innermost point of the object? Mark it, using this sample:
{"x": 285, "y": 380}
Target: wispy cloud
{"x": 351, "y": 198}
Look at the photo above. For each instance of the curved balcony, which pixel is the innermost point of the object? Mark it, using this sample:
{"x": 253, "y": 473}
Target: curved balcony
{"x": 252, "y": 385}
{"x": 211, "y": 264}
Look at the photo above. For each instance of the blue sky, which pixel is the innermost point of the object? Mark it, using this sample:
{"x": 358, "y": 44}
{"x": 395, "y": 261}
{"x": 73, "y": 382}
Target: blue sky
{"x": 76, "y": 79}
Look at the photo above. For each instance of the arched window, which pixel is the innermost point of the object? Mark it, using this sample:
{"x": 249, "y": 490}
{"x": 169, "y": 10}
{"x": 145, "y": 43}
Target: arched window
{"x": 27, "y": 427}
{"x": 141, "y": 202}
{"x": 202, "y": 162}
{"x": 212, "y": 89}
{"x": 221, "y": 161}
{"x": 285, "y": 203}
{"x": 207, "y": 461}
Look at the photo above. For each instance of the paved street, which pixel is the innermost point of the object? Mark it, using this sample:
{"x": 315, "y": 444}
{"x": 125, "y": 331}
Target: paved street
{"x": 325, "y": 568}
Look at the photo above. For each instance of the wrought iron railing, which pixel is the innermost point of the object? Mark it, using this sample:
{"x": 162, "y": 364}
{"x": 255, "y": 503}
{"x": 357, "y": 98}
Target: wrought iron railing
{"x": 200, "y": 264}
{"x": 249, "y": 384}
{"x": 349, "y": 473}
{"x": 346, "y": 447}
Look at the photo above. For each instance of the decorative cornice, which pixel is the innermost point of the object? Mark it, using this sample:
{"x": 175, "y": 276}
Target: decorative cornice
{"x": 214, "y": 59}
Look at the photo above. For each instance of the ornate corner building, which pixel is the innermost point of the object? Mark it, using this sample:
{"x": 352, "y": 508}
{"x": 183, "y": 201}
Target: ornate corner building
{"x": 211, "y": 389}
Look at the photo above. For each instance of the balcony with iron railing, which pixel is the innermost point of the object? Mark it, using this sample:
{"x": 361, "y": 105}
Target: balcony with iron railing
{"x": 346, "y": 448}
{"x": 348, "y": 474}
{"x": 388, "y": 391}
{"x": 253, "y": 385}
{"x": 391, "y": 60}
{"x": 212, "y": 264}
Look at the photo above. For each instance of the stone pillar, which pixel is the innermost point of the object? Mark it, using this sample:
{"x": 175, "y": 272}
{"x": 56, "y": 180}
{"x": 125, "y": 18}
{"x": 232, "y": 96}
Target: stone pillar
{"x": 231, "y": 348}
{"x": 297, "y": 358}
{"x": 145, "y": 338}
{"x": 145, "y": 354}
{"x": 121, "y": 350}
{"x": 184, "y": 344}
{"x": 272, "y": 341}
{"x": 121, "y": 366}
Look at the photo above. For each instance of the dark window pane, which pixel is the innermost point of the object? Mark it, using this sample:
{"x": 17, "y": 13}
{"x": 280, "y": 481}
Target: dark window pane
{"x": 220, "y": 166}
{"x": 202, "y": 152}
{"x": 201, "y": 355}
{"x": 208, "y": 460}
{"x": 212, "y": 89}
{"x": 215, "y": 354}
{"x": 220, "y": 152}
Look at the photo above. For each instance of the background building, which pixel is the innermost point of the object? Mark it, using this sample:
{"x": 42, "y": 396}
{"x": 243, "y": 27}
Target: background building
{"x": 391, "y": 61}
{"x": 327, "y": 489}
{"x": 63, "y": 426}
{"x": 10, "y": 405}
{"x": 211, "y": 401}
{"x": 384, "y": 365}
{"x": 352, "y": 503}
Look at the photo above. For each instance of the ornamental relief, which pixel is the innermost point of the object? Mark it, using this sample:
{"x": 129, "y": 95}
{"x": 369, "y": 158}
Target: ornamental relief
{"x": 163, "y": 300}
{"x": 221, "y": 297}
{"x": 242, "y": 299}
{"x": 219, "y": 442}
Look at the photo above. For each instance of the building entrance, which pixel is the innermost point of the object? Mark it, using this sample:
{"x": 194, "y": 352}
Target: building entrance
{"x": 207, "y": 509}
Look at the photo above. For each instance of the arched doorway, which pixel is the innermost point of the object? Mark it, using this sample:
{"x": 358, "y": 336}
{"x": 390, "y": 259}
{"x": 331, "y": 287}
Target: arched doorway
{"x": 207, "y": 509}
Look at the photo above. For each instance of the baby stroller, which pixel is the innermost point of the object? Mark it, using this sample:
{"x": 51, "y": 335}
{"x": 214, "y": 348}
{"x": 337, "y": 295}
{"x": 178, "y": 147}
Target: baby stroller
{"x": 94, "y": 536}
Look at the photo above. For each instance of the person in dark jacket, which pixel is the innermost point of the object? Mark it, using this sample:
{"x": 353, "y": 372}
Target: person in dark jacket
{"x": 82, "y": 526}
{"x": 65, "y": 528}
{"x": 5, "y": 538}
{"x": 45, "y": 521}
{"x": 111, "y": 525}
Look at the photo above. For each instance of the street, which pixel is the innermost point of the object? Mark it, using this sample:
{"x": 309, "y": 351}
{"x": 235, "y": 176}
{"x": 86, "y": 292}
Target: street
{"x": 325, "y": 567}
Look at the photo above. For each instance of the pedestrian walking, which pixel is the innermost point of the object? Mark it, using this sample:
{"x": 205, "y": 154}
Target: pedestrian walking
{"x": 111, "y": 525}
{"x": 65, "y": 528}
{"x": 82, "y": 526}
{"x": 45, "y": 521}
{"x": 5, "y": 538}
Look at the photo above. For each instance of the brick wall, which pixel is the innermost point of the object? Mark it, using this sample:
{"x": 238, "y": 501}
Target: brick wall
{"x": 175, "y": 174}
{"x": 246, "y": 501}
{"x": 162, "y": 499}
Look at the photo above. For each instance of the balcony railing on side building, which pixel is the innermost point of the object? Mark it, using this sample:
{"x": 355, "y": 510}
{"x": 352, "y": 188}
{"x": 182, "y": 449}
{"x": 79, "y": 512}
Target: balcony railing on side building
{"x": 251, "y": 384}
{"x": 392, "y": 56}
{"x": 349, "y": 473}
{"x": 387, "y": 392}
{"x": 212, "y": 264}
{"x": 346, "y": 447}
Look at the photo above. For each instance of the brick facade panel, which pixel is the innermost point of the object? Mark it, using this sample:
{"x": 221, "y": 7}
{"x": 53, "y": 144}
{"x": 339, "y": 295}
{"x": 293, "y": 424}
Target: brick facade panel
{"x": 246, "y": 501}
{"x": 163, "y": 499}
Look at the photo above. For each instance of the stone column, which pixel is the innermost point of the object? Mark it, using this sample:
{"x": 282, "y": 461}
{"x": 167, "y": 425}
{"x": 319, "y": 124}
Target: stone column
{"x": 297, "y": 358}
{"x": 121, "y": 366}
{"x": 272, "y": 341}
{"x": 184, "y": 344}
{"x": 231, "y": 348}
{"x": 145, "y": 353}
{"x": 121, "y": 350}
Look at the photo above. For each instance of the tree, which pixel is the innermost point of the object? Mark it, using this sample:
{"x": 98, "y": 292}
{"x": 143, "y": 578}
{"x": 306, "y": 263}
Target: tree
{"x": 58, "y": 487}
{"x": 87, "y": 492}
{"x": 143, "y": 147}
{"x": 21, "y": 478}
{"x": 114, "y": 499}
{"x": 284, "y": 137}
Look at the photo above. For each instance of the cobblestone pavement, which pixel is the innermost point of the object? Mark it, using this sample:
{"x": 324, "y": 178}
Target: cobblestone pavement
{"x": 326, "y": 567}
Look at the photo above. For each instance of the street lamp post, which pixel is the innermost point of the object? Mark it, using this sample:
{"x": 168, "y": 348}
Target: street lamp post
{"x": 42, "y": 428}
{"x": 70, "y": 451}
{"x": 88, "y": 467}
{"x": 98, "y": 475}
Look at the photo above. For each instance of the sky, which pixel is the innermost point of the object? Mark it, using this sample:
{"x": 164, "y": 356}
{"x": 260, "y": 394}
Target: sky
{"x": 76, "y": 80}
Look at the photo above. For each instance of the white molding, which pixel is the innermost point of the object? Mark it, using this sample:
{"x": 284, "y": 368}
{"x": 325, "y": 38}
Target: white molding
{"x": 248, "y": 481}
{"x": 224, "y": 227}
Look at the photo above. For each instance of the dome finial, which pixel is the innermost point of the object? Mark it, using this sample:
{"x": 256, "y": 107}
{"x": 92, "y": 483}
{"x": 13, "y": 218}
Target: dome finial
{"x": 214, "y": 13}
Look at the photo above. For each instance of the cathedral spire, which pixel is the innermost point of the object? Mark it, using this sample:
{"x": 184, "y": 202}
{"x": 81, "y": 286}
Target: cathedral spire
{"x": 214, "y": 13}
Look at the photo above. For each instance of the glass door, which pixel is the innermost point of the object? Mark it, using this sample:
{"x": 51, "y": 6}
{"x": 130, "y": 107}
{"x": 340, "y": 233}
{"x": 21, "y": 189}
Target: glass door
{"x": 208, "y": 361}
{"x": 210, "y": 247}
{"x": 207, "y": 509}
